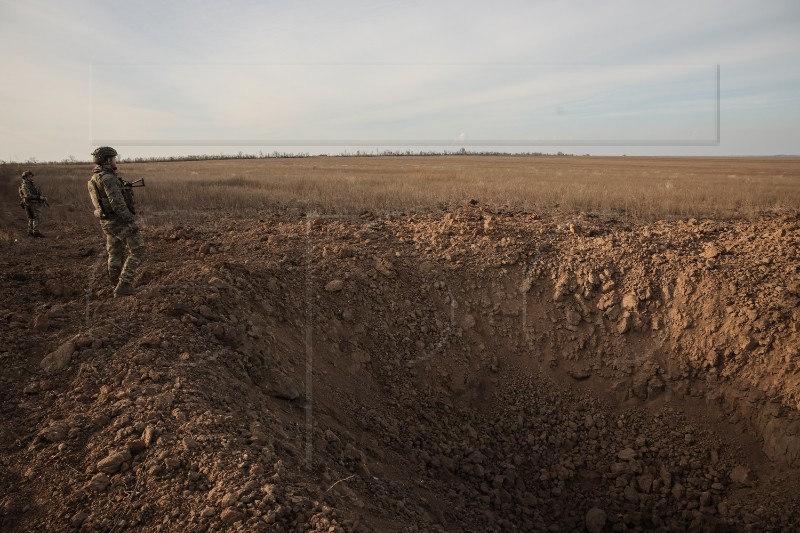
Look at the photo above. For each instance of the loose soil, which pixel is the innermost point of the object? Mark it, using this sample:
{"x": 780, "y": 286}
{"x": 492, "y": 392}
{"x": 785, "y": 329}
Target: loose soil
{"x": 476, "y": 370}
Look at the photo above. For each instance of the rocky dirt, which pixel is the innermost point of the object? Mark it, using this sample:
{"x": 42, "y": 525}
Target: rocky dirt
{"x": 476, "y": 370}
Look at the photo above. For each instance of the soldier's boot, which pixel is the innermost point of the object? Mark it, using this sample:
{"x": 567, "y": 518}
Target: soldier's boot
{"x": 113, "y": 275}
{"x": 124, "y": 289}
{"x": 37, "y": 233}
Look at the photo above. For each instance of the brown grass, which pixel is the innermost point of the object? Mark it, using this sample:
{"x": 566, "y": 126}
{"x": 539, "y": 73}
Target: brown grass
{"x": 634, "y": 188}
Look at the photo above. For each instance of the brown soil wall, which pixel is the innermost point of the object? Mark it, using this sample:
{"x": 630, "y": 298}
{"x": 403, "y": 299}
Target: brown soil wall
{"x": 477, "y": 371}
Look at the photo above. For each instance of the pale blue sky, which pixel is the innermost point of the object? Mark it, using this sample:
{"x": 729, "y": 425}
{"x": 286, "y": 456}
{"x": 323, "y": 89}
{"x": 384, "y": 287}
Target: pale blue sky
{"x": 608, "y": 77}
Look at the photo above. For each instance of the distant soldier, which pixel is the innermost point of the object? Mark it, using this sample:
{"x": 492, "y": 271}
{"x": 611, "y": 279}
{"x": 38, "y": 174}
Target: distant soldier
{"x": 112, "y": 198}
{"x": 31, "y": 200}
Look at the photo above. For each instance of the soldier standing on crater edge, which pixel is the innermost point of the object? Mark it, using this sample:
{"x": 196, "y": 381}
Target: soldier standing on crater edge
{"x": 113, "y": 205}
{"x": 31, "y": 200}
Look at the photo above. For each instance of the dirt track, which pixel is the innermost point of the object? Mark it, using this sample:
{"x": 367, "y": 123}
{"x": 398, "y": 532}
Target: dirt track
{"x": 475, "y": 371}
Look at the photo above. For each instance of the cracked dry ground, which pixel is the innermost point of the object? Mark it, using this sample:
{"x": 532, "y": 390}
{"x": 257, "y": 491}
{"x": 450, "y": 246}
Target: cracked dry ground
{"x": 472, "y": 371}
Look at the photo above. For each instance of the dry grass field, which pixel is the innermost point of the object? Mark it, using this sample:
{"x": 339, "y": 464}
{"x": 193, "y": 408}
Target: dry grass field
{"x": 628, "y": 188}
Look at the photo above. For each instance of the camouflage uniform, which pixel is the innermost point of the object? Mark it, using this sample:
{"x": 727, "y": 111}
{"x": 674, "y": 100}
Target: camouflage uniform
{"x": 114, "y": 207}
{"x": 31, "y": 199}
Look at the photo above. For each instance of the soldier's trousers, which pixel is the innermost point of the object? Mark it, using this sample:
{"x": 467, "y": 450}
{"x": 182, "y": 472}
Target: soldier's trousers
{"x": 33, "y": 218}
{"x": 125, "y": 247}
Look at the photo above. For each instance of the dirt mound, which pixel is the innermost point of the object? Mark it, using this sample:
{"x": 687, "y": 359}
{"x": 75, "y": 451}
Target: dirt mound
{"x": 476, "y": 371}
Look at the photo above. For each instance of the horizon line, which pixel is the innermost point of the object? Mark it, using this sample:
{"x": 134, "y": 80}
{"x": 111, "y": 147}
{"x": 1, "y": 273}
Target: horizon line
{"x": 400, "y": 142}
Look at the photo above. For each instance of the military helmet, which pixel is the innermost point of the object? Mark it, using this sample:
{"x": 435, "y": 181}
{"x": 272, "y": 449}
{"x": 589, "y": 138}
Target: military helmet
{"x": 27, "y": 173}
{"x": 101, "y": 154}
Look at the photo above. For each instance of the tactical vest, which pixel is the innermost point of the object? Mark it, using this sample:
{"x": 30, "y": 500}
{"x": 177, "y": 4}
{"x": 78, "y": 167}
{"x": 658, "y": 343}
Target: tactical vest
{"x": 32, "y": 189}
{"x": 99, "y": 198}
{"x": 127, "y": 195}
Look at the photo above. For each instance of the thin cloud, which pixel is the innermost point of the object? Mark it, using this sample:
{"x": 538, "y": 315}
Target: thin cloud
{"x": 388, "y": 70}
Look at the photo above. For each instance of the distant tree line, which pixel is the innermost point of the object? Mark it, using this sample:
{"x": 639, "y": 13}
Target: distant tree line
{"x": 276, "y": 154}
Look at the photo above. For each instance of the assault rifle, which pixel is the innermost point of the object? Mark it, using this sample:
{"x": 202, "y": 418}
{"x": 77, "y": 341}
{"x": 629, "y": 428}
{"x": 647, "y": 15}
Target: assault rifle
{"x": 137, "y": 183}
{"x": 45, "y": 203}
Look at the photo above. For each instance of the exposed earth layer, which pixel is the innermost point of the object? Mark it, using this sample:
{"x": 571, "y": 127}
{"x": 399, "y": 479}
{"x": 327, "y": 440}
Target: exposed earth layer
{"x": 472, "y": 371}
